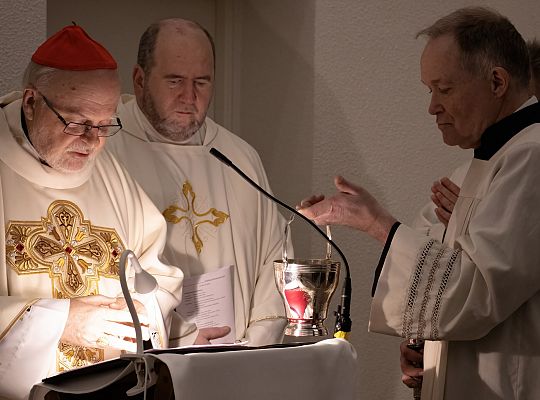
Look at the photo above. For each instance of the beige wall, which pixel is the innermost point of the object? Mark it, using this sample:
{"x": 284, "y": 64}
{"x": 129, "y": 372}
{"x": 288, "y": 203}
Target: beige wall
{"x": 319, "y": 88}
{"x": 120, "y": 24}
{"x": 22, "y": 29}
{"x": 327, "y": 87}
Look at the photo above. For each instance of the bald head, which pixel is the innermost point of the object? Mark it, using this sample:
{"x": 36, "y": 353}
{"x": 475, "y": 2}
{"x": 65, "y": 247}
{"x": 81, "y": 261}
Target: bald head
{"x": 168, "y": 28}
{"x": 174, "y": 78}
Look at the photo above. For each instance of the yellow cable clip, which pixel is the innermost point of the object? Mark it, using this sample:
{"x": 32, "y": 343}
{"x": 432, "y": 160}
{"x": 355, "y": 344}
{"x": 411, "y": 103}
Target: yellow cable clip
{"x": 341, "y": 335}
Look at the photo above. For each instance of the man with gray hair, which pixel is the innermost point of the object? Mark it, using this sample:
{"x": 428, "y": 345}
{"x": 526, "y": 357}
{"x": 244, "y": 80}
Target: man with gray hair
{"x": 68, "y": 210}
{"x": 474, "y": 294}
{"x": 217, "y": 223}
{"x": 434, "y": 218}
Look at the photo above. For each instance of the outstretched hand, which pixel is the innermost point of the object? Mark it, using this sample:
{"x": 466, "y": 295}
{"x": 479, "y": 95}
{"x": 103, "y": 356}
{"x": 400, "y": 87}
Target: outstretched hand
{"x": 353, "y": 206}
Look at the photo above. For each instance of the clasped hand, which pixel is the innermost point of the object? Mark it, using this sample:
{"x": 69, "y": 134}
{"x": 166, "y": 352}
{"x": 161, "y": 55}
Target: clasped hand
{"x": 103, "y": 322}
{"x": 411, "y": 366}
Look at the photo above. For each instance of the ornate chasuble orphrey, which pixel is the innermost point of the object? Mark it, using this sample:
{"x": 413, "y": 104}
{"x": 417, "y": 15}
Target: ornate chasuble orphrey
{"x": 192, "y": 217}
{"x": 74, "y": 253}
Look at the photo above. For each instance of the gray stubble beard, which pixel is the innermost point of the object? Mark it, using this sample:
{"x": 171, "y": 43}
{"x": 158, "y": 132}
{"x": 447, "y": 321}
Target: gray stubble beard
{"x": 170, "y": 130}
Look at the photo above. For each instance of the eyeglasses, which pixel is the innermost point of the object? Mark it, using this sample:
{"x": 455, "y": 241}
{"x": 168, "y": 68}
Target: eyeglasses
{"x": 79, "y": 129}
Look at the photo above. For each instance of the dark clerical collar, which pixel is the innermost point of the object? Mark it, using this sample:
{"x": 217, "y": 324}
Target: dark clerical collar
{"x": 25, "y": 127}
{"x": 498, "y": 134}
{"x": 25, "y": 130}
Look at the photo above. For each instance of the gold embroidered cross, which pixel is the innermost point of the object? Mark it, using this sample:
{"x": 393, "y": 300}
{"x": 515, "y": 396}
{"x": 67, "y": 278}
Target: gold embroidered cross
{"x": 74, "y": 253}
{"x": 191, "y": 215}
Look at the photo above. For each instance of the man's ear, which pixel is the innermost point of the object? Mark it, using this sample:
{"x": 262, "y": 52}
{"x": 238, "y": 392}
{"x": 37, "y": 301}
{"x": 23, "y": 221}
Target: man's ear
{"x": 29, "y": 103}
{"x": 138, "y": 80}
{"x": 500, "y": 81}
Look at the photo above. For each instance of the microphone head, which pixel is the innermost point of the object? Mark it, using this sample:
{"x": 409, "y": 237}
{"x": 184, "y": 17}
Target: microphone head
{"x": 220, "y": 156}
{"x": 144, "y": 282}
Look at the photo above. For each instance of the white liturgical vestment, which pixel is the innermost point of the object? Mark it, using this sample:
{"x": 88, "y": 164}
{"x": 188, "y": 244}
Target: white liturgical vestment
{"x": 64, "y": 235}
{"x": 476, "y": 295}
{"x": 214, "y": 218}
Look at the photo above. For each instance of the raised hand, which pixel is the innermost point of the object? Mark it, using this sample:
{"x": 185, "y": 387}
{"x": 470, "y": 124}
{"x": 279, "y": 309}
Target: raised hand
{"x": 444, "y": 195}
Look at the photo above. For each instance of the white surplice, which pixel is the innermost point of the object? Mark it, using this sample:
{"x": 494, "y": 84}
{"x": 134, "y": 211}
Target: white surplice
{"x": 215, "y": 218}
{"x": 64, "y": 234}
{"x": 475, "y": 295}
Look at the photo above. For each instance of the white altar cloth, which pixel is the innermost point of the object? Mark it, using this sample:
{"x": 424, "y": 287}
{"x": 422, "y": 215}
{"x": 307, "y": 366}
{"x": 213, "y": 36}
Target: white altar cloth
{"x": 321, "y": 370}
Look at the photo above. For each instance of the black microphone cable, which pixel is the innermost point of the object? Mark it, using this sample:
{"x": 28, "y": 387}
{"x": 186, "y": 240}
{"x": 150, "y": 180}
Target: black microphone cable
{"x": 343, "y": 323}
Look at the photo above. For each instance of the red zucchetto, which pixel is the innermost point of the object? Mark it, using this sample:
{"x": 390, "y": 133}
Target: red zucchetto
{"x": 72, "y": 49}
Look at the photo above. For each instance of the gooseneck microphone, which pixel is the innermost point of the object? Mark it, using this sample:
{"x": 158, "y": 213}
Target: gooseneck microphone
{"x": 146, "y": 286}
{"x": 343, "y": 314}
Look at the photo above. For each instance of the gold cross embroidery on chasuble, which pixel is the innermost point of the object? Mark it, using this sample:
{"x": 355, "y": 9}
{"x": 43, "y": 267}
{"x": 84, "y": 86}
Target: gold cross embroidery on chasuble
{"x": 74, "y": 253}
{"x": 194, "y": 218}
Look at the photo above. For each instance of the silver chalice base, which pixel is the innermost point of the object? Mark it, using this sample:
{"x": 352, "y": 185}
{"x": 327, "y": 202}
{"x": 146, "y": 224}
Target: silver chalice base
{"x": 306, "y": 287}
